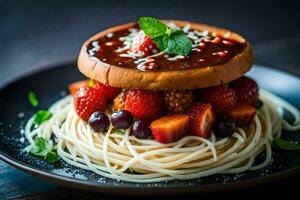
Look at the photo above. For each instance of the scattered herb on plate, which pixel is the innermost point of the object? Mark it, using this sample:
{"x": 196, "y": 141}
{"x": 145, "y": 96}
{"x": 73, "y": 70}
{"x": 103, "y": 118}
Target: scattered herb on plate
{"x": 32, "y": 98}
{"x": 285, "y": 145}
{"x": 118, "y": 131}
{"x": 43, "y": 148}
{"x": 41, "y": 116}
{"x": 170, "y": 40}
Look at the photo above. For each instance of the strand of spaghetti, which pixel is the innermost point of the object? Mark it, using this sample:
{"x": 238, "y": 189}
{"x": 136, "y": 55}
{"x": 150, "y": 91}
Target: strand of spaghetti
{"x": 267, "y": 160}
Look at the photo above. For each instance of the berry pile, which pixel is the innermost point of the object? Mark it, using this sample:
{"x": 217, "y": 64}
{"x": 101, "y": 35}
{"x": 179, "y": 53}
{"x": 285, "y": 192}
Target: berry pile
{"x": 178, "y": 101}
{"x": 168, "y": 116}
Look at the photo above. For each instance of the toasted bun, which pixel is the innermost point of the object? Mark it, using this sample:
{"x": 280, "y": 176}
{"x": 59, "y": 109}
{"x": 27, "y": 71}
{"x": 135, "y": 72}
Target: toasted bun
{"x": 194, "y": 78}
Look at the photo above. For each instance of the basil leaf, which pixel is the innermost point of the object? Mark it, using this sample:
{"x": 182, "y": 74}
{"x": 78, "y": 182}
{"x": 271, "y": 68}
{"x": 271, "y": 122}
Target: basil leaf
{"x": 179, "y": 44}
{"x": 286, "y": 145}
{"x": 43, "y": 148}
{"x": 33, "y": 99}
{"x": 41, "y": 116}
{"x": 152, "y": 27}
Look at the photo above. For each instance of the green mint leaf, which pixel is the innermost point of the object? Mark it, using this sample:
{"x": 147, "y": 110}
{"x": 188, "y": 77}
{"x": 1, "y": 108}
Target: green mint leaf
{"x": 152, "y": 27}
{"x": 41, "y": 116}
{"x": 43, "y": 148}
{"x": 286, "y": 145}
{"x": 33, "y": 99}
{"x": 118, "y": 131}
{"x": 172, "y": 41}
{"x": 161, "y": 42}
{"x": 179, "y": 44}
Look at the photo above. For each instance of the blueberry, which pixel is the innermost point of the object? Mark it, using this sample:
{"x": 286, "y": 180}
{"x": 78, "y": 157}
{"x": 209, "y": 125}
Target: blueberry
{"x": 258, "y": 104}
{"x": 122, "y": 119}
{"x": 224, "y": 127}
{"x": 99, "y": 121}
{"x": 141, "y": 129}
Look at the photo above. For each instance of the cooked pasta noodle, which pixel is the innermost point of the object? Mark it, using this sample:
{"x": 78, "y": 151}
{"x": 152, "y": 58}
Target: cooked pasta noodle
{"x": 116, "y": 156}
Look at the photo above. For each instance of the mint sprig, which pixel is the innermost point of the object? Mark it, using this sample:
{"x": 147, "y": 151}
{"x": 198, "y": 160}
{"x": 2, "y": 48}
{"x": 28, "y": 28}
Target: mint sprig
{"x": 285, "y": 145}
{"x": 43, "y": 148}
{"x": 41, "y": 116}
{"x": 32, "y": 98}
{"x": 169, "y": 40}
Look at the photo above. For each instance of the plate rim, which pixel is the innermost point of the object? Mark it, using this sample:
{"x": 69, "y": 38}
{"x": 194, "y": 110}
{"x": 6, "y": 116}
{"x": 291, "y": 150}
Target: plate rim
{"x": 142, "y": 189}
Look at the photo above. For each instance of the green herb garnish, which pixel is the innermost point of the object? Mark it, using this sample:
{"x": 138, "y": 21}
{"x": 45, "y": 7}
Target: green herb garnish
{"x": 33, "y": 99}
{"x": 285, "y": 145}
{"x": 41, "y": 116}
{"x": 169, "y": 40}
{"x": 43, "y": 148}
{"x": 118, "y": 131}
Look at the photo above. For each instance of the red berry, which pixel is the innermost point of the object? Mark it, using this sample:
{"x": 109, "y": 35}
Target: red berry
{"x": 108, "y": 92}
{"x": 202, "y": 119}
{"x": 144, "y": 104}
{"x": 221, "y": 97}
{"x": 246, "y": 90}
{"x": 88, "y": 100}
{"x": 143, "y": 43}
{"x": 170, "y": 128}
{"x": 74, "y": 87}
{"x": 242, "y": 114}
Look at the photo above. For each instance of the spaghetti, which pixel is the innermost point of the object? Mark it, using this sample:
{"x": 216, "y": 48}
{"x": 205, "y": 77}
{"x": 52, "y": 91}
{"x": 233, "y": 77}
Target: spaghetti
{"x": 117, "y": 156}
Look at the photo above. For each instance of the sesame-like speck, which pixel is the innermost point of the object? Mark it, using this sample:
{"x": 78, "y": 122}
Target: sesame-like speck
{"x": 109, "y": 35}
{"x": 22, "y": 139}
{"x": 63, "y": 93}
{"x": 21, "y": 114}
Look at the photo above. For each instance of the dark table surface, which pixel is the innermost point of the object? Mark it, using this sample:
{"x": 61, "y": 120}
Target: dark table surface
{"x": 36, "y": 34}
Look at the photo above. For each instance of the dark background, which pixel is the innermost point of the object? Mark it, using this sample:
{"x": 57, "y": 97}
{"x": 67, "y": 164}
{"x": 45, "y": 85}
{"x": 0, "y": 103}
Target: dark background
{"x": 36, "y": 34}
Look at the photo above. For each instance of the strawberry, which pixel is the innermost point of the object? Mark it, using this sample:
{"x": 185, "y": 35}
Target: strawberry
{"x": 108, "y": 92}
{"x": 246, "y": 90}
{"x": 221, "y": 97}
{"x": 202, "y": 119}
{"x": 88, "y": 100}
{"x": 144, "y": 104}
{"x": 143, "y": 43}
{"x": 74, "y": 87}
{"x": 242, "y": 114}
{"x": 170, "y": 128}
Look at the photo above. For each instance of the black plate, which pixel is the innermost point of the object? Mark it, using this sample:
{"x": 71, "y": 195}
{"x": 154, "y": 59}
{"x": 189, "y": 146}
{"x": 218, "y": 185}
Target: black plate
{"x": 51, "y": 84}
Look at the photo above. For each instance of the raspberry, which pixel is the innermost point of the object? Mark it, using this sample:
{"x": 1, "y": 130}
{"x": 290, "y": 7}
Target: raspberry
{"x": 143, "y": 43}
{"x": 87, "y": 101}
{"x": 221, "y": 97}
{"x": 119, "y": 101}
{"x": 246, "y": 90}
{"x": 108, "y": 92}
{"x": 178, "y": 101}
{"x": 144, "y": 104}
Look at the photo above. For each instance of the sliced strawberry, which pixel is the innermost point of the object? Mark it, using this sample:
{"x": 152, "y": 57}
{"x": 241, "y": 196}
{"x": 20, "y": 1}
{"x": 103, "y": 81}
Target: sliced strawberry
{"x": 108, "y": 92}
{"x": 143, "y": 44}
{"x": 88, "y": 100}
{"x": 74, "y": 87}
{"x": 202, "y": 119}
{"x": 170, "y": 128}
{"x": 144, "y": 104}
{"x": 246, "y": 90}
{"x": 221, "y": 97}
{"x": 242, "y": 114}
